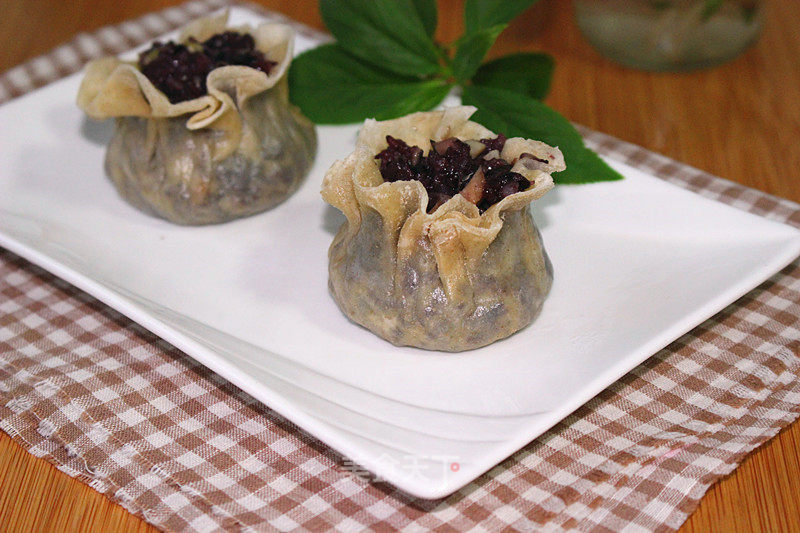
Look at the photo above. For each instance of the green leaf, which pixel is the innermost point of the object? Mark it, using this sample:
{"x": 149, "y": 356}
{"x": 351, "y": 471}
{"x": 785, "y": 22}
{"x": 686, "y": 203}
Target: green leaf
{"x": 387, "y": 33}
{"x": 426, "y": 10}
{"x": 480, "y": 14}
{"x": 525, "y": 73}
{"x": 471, "y": 50}
{"x": 516, "y": 115}
{"x": 332, "y": 87}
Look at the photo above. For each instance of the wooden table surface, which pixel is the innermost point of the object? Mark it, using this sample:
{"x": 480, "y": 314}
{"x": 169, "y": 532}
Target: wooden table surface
{"x": 740, "y": 121}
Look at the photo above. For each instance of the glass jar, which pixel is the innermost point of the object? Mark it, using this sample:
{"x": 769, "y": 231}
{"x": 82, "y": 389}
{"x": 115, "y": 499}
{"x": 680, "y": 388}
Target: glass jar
{"x": 670, "y": 34}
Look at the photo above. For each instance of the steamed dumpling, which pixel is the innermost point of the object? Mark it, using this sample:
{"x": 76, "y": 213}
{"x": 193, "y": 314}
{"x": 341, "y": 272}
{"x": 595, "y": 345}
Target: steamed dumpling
{"x": 208, "y": 145}
{"x": 452, "y": 274}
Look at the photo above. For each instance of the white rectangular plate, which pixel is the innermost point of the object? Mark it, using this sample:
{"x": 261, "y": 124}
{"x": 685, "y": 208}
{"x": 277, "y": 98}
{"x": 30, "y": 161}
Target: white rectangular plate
{"x": 637, "y": 263}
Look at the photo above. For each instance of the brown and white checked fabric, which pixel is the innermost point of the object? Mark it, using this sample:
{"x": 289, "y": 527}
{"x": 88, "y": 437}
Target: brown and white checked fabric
{"x": 139, "y": 421}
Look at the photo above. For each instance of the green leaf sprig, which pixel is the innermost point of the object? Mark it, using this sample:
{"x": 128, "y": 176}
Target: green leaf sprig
{"x": 385, "y": 64}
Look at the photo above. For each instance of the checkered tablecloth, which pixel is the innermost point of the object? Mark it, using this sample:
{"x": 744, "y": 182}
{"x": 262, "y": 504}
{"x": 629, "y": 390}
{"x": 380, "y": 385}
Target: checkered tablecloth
{"x": 113, "y": 405}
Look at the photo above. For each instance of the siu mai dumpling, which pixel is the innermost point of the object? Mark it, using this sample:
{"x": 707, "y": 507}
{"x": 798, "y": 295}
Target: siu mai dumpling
{"x": 204, "y": 130}
{"x": 439, "y": 249}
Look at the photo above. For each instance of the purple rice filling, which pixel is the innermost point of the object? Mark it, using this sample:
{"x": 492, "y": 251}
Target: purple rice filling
{"x": 450, "y": 168}
{"x": 180, "y": 70}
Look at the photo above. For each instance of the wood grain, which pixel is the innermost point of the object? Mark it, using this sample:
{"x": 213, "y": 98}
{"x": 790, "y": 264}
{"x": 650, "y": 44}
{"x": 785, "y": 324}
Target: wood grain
{"x": 740, "y": 121}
